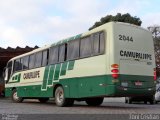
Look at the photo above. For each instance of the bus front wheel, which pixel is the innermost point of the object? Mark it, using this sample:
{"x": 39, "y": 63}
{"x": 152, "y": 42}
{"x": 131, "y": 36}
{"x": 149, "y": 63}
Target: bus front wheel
{"x": 94, "y": 101}
{"x": 60, "y": 99}
{"x": 15, "y": 97}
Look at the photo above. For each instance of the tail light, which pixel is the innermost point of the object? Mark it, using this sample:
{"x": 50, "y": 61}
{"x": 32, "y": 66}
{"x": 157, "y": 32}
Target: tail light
{"x": 115, "y": 66}
{"x": 115, "y": 70}
{"x": 155, "y": 75}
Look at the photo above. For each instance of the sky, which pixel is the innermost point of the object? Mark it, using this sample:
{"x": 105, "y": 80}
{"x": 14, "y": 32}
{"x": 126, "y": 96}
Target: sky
{"x": 43, "y": 22}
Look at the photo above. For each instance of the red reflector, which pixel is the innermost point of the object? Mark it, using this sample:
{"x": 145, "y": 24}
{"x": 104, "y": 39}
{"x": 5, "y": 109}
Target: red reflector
{"x": 115, "y": 76}
{"x": 115, "y": 70}
{"x": 114, "y": 65}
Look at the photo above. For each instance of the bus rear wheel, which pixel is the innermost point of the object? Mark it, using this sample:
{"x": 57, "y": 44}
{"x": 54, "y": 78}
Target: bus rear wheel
{"x": 43, "y": 100}
{"x": 15, "y": 97}
{"x": 60, "y": 99}
{"x": 126, "y": 100}
{"x": 94, "y": 101}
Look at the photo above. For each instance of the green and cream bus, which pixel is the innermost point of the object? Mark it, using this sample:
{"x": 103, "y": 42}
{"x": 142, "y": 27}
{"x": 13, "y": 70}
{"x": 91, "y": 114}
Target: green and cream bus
{"x": 113, "y": 60}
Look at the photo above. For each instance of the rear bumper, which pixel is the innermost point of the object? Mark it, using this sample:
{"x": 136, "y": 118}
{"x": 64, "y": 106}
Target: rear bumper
{"x": 141, "y": 98}
{"x": 129, "y": 92}
{"x": 135, "y": 92}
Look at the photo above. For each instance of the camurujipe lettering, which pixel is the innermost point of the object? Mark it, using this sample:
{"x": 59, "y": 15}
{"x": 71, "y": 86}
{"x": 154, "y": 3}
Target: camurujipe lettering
{"x": 135, "y": 55}
{"x": 31, "y": 75}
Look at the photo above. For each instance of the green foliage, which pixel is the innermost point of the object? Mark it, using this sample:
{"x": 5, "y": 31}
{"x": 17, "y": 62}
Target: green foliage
{"x": 157, "y": 53}
{"x": 119, "y": 18}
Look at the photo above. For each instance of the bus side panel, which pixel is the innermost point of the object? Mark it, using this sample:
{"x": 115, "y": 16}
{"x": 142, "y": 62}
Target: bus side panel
{"x": 8, "y": 92}
{"x": 66, "y": 86}
{"x": 34, "y": 91}
{"x": 92, "y": 86}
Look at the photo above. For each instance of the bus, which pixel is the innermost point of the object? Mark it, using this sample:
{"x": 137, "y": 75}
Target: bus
{"x": 113, "y": 60}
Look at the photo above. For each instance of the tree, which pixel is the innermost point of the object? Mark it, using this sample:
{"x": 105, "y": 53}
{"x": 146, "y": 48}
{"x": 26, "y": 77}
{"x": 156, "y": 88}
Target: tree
{"x": 120, "y": 18}
{"x": 155, "y": 30}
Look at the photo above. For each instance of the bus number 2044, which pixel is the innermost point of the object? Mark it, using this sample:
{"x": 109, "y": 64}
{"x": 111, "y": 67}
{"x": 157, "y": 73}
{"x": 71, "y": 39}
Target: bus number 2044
{"x": 126, "y": 38}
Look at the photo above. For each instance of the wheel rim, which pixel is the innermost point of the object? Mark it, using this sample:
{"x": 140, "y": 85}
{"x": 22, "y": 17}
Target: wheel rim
{"x": 15, "y": 97}
{"x": 60, "y": 96}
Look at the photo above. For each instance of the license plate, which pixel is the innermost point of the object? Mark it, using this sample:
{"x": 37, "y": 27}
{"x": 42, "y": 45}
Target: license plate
{"x": 124, "y": 84}
{"x": 138, "y": 83}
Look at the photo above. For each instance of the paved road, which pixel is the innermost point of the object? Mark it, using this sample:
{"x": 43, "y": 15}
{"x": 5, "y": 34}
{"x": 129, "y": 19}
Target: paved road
{"x": 111, "y": 109}
{"x": 109, "y": 106}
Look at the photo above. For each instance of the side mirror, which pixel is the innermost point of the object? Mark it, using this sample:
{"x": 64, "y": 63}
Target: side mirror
{"x": 5, "y": 74}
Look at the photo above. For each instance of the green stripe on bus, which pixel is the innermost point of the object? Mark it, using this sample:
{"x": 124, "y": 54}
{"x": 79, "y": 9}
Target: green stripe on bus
{"x": 68, "y": 39}
{"x": 71, "y": 65}
{"x": 16, "y": 78}
{"x": 44, "y": 85}
{"x": 57, "y": 71}
{"x": 51, "y": 72}
{"x": 77, "y": 90}
{"x": 63, "y": 69}
{"x": 78, "y": 36}
{"x": 71, "y": 38}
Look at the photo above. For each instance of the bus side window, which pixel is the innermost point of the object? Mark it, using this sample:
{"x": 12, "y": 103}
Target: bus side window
{"x": 102, "y": 42}
{"x": 85, "y": 47}
{"x": 17, "y": 65}
{"x": 73, "y": 50}
{"x": 38, "y": 59}
{"x": 98, "y": 43}
{"x": 44, "y": 58}
{"x": 53, "y": 55}
{"x": 62, "y": 51}
{"x": 31, "y": 61}
{"x": 25, "y": 61}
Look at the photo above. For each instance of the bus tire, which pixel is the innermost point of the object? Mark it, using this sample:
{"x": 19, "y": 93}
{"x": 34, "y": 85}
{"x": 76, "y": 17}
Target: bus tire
{"x": 145, "y": 102}
{"x": 43, "y": 100}
{"x": 3, "y": 94}
{"x": 15, "y": 98}
{"x": 126, "y": 100}
{"x": 94, "y": 101}
{"x": 130, "y": 100}
{"x": 60, "y": 99}
{"x": 151, "y": 102}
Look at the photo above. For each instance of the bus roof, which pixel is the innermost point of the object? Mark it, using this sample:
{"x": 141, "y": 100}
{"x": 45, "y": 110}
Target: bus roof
{"x": 75, "y": 37}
